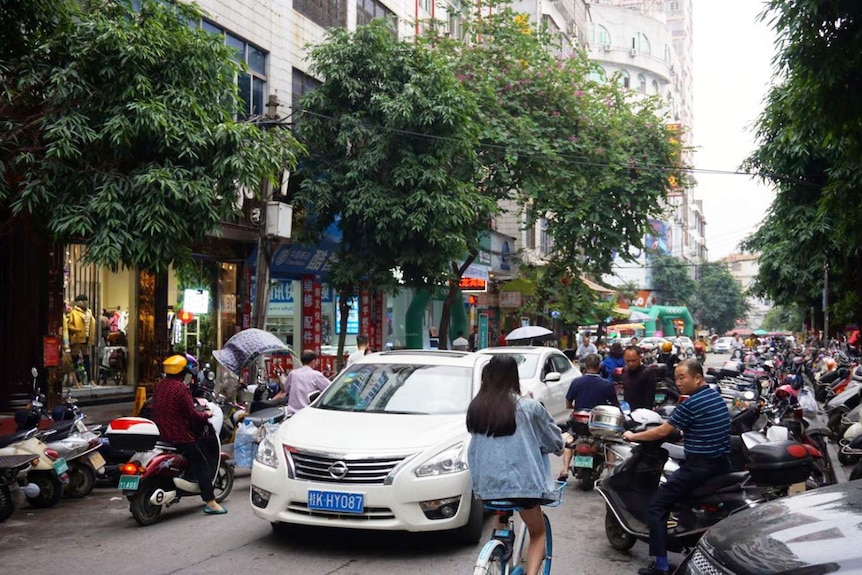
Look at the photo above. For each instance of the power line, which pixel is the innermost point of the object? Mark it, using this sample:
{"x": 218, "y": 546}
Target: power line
{"x": 578, "y": 160}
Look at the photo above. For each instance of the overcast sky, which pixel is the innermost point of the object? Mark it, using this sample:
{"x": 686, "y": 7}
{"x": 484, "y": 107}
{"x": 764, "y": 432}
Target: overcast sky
{"x": 732, "y": 72}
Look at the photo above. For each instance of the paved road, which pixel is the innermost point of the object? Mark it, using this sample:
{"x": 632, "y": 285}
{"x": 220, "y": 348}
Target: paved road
{"x": 98, "y": 535}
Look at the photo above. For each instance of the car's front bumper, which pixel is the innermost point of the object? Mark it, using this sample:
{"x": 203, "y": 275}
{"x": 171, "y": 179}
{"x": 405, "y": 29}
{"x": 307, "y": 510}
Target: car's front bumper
{"x": 387, "y": 507}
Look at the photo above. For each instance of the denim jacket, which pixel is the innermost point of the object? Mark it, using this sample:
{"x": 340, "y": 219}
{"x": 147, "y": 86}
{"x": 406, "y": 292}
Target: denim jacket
{"x": 516, "y": 465}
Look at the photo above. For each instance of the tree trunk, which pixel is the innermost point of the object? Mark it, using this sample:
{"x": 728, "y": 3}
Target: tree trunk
{"x": 446, "y": 315}
{"x": 345, "y": 295}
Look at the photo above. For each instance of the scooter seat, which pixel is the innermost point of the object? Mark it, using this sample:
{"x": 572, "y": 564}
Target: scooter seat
{"x": 61, "y": 430}
{"x": 15, "y": 437}
{"x": 719, "y": 483}
{"x": 674, "y": 451}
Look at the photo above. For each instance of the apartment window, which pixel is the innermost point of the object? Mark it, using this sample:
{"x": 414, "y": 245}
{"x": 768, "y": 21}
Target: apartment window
{"x": 368, "y": 10}
{"x": 456, "y": 13}
{"x": 642, "y": 83}
{"x": 626, "y": 79}
{"x": 252, "y": 82}
{"x": 644, "y": 45}
{"x": 598, "y": 74}
{"x": 531, "y": 237}
{"x": 325, "y": 13}
{"x": 425, "y": 5}
{"x": 603, "y": 36}
{"x": 302, "y": 84}
{"x": 673, "y": 7}
{"x": 544, "y": 237}
{"x": 655, "y": 89}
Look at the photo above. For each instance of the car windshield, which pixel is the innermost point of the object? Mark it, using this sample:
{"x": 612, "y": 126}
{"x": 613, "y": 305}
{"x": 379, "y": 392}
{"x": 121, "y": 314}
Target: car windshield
{"x": 528, "y": 364}
{"x": 400, "y": 388}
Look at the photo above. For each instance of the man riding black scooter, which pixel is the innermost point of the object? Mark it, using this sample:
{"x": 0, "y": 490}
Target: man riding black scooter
{"x": 705, "y": 421}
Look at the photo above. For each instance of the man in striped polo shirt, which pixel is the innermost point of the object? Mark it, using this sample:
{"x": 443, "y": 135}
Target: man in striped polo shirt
{"x": 705, "y": 422}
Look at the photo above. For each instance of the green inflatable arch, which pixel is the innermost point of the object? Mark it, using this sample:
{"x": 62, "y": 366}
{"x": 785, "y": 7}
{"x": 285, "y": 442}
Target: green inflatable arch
{"x": 661, "y": 319}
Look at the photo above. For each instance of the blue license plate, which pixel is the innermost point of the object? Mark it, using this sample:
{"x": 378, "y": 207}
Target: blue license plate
{"x": 60, "y": 466}
{"x": 583, "y": 461}
{"x": 336, "y": 501}
{"x": 129, "y": 482}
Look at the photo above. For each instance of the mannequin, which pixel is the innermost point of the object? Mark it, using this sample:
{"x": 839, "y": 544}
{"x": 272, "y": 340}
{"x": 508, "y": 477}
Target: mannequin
{"x": 68, "y": 361}
{"x": 82, "y": 333}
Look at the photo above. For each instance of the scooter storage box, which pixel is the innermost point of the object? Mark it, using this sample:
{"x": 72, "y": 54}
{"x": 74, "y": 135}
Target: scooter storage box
{"x": 779, "y": 463}
{"x": 607, "y": 421}
{"x": 579, "y": 421}
{"x": 132, "y": 434}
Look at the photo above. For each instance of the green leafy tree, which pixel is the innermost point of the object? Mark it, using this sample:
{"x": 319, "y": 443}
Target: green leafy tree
{"x": 583, "y": 156}
{"x": 718, "y": 301}
{"x": 117, "y": 128}
{"x": 391, "y": 138}
{"x": 671, "y": 279}
{"x": 810, "y": 144}
{"x": 783, "y": 318}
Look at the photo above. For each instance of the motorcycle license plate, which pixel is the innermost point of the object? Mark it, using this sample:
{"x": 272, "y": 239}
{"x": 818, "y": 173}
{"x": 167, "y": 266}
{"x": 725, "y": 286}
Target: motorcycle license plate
{"x": 60, "y": 466}
{"x": 336, "y": 501}
{"x": 659, "y": 397}
{"x": 583, "y": 461}
{"x": 96, "y": 460}
{"x": 129, "y": 482}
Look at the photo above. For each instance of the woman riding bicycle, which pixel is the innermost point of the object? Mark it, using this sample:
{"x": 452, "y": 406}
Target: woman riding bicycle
{"x": 508, "y": 454}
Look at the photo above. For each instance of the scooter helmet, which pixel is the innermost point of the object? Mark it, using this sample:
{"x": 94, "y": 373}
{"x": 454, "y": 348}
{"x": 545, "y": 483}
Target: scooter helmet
{"x": 794, "y": 381}
{"x": 667, "y": 347}
{"x": 785, "y": 391}
{"x": 179, "y": 364}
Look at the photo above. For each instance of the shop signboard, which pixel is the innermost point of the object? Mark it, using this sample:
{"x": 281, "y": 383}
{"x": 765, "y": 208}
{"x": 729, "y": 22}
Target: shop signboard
{"x": 51, "y": 351}
{"x": 311, "y": 314}
{"x": 364, "y": 312}
{"x": 483, "y": 331}
{"x": 196, "y": 301}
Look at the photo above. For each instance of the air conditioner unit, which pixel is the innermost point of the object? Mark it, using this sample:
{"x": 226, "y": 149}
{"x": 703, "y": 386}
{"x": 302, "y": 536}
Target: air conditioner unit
{"x": 606, "y": 47}
{"x": 634, "y": 52}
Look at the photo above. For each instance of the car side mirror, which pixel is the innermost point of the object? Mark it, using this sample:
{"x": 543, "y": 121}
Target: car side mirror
{"x": 313, "y": 396}
{"x": 551, "y": 377}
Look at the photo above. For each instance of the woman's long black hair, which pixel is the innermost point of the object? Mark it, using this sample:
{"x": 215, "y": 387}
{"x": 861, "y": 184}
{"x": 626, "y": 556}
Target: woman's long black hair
{"x": 492, "y": 411}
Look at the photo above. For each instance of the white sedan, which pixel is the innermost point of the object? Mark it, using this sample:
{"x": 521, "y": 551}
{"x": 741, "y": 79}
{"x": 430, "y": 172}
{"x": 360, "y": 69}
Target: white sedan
{"x": 723, "y": 345}
{"x": 545, "y": 373}
{"x": 383, "y": 448}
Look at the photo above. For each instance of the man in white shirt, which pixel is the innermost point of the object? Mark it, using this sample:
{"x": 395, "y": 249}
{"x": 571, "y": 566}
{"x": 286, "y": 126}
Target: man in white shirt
{"x": 587, "y": 347}
{"x": 361, "y": 345}
{"x": 460, "y": 343}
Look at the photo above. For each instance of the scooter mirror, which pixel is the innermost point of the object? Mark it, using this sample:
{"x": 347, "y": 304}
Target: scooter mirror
{"x": 34, "y": 372}
{"x": 625, "y": 407}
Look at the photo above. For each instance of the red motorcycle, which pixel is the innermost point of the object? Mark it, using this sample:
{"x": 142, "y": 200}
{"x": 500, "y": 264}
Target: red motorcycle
{"x": 154, "y": 478}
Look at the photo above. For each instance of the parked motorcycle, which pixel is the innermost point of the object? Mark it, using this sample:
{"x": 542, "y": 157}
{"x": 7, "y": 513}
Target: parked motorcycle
{"x": 50, "y": 473}
{"x": 13, "y": 472}
{"x": 154, "y": 478}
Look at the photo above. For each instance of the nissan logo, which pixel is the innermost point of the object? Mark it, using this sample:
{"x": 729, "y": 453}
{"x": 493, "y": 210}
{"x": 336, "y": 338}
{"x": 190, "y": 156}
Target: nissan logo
{"x": 338, "y": 470}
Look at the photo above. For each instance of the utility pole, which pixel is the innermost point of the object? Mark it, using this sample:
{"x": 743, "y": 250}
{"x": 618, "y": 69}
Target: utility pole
{"x": 265, "y": 246}
{"x": 826, "y": 302}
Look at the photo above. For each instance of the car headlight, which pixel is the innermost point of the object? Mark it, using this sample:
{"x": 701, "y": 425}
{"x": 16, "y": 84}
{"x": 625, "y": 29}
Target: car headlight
{"x": 451, "y": 460}
{"x": 267, "y": 454}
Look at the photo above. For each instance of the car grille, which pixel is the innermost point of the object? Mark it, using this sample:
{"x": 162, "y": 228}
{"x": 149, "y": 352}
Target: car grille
{"x": 370, "y": 471}
{"x": 700, "y": 564}
{"x": 368, "y": 514}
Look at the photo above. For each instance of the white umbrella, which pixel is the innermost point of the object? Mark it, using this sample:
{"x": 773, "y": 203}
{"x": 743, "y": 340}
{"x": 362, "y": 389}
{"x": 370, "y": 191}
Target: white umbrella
{"x": 637, "y": 316}
{"x": 529, "y": 332}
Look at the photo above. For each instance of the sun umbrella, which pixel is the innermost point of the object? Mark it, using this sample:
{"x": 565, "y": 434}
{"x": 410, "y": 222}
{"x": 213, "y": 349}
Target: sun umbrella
{"x": 529, "y": 332}
{"x": 245, "y": 347}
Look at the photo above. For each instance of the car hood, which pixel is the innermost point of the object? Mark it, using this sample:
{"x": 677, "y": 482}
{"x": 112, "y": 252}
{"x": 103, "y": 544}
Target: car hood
{"x": 346, "y": 432}
{"x": 817, "y": 532}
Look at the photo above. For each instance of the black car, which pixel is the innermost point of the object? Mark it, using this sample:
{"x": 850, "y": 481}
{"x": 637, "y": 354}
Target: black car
{"x": 816, "y": 532}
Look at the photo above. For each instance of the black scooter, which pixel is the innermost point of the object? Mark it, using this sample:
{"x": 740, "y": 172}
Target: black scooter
{"x": 628, "y": 488}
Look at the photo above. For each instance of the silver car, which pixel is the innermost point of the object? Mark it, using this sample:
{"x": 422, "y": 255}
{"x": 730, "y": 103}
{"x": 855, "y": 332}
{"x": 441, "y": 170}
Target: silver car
{"x": 545, "y": 375}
